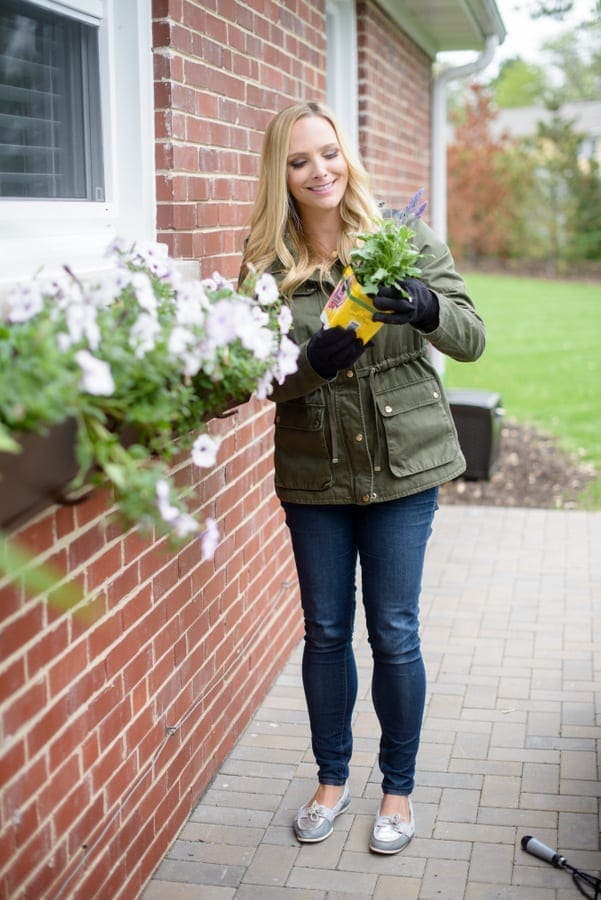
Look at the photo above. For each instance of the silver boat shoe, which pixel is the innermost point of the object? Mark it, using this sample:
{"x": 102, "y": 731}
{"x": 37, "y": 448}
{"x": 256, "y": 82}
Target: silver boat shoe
{"x": 313, "y": 822}
{"x": 391, "y": 834}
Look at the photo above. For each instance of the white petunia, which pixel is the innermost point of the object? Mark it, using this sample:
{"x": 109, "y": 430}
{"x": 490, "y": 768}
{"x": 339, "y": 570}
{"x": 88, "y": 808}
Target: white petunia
{"x": 180, "y": 340}
{"x": 221, "y": 322}
{"x": 82, "y": 324}
{"x": 97, "y": 378}
{"x": 24, "y": 303}
{"x": 62, "y": 287}
{"x": 117, "y": 247}
{"x": 183, "y": 346}
{"x": 287, "y": 359}
{"x": 185, "y": 524}
{"x": 266, "y": 290}
{"x": 145, "y": 296}
{"x": 204, "y": 451}
{"x": 167, "y": 510}
{"x": 284, "y": 319}
{"x": 181, "y": 522}
{"x": 209, "y": 539}
{"x": 143, "y": 334}
{"x": 104, "y": 292}
{"x": 260, "y": 341}
{"x": 264, "y": 385}
{"x": 191, "y": 304}
{"x": 217, "y": 283}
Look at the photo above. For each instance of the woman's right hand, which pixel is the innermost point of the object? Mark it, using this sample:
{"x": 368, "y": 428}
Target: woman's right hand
{"x": 331, "y": 349}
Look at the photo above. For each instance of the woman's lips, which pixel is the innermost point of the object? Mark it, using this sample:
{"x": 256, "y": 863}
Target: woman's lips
{"x": 322, "y": 188}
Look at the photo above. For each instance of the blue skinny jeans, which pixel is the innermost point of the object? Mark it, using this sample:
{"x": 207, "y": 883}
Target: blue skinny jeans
{"x": 390, "y": 540}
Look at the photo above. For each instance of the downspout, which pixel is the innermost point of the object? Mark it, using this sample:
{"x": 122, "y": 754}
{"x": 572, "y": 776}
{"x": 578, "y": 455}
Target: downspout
{"x": 438, "y": 139}
{"x": 438, "y": 131}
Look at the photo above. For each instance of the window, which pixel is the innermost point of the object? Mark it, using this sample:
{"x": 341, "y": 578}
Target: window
{"x": 50, "y": 118}
{"x": 76, "y": 132}
{"x": 341, "y": 74}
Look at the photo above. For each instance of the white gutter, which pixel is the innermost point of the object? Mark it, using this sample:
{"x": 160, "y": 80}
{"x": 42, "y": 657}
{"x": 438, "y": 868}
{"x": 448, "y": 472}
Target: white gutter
{"x": 439, "y": 129}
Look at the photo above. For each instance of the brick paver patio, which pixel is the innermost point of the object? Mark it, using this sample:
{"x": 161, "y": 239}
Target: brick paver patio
{"x": 511, "y": 622}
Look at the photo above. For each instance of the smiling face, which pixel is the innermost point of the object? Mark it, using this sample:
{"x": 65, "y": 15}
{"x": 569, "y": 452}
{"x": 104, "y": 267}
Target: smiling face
{"x": 317, "y": 173}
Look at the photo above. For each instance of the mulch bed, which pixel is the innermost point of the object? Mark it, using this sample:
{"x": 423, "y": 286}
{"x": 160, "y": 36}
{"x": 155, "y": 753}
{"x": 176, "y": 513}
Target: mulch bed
{"x": 532, "y": 471}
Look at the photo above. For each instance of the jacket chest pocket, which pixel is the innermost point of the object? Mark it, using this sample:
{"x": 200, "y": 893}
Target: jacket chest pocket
{"x": 302, "y": 458}
{"x": 418, "y": 427}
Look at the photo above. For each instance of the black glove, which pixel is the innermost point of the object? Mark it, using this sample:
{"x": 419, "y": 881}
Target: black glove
{"x": 334, "y": 348}
{"x": 410, "y": 302}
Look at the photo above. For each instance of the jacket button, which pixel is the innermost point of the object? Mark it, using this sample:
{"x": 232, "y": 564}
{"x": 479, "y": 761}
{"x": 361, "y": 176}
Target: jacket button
{"x": 435, "y": 395}
{"x": 277, "y": 418}
{"x": 315, "y": 423}
{"x": 374, "y": 496}
{"x": 388, "y": 409}
{"x": 365, "y": 498}
{"x": 358, "y": 437}
{"x": 350, "y": 373}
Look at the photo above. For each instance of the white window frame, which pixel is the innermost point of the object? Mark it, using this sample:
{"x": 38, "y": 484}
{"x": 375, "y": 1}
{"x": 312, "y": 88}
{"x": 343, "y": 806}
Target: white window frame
{"x": 342, "y": 65}
{"x": 51, "y": 233}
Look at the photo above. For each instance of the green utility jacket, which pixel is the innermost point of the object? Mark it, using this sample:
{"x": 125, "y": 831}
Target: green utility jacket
{"x": 382, "y": 429}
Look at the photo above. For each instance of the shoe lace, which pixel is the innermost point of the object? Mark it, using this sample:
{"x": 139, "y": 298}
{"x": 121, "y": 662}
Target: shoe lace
{"x": 394, "y": 821}
{"x": 314, "y": 812}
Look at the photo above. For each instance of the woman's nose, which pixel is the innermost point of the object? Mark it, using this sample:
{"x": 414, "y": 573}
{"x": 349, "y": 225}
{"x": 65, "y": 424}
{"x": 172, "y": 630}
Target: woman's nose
{"x": 319, "y": 168}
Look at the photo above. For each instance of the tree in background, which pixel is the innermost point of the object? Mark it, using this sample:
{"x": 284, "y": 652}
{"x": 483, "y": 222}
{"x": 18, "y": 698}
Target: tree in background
{"x": 575, "y": 59}
{"x": 488, "y": 182}
{"x": 519, "y": 83}
{"x": 586, "y": 243}
{"x": 556, "y": 9}
{"x": 567, "y": 195}
{"x": 532, "y": 200}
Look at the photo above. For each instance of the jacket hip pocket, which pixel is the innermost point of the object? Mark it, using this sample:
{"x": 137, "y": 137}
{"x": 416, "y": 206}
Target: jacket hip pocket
{"x": 302, "y": 457}
{"x": 418, "y": 427}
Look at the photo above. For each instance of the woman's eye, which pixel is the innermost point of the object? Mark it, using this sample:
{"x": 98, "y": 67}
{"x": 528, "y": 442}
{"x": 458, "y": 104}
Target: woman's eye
{"x": 297, "y": 164}
{"x": 331, "y": 155}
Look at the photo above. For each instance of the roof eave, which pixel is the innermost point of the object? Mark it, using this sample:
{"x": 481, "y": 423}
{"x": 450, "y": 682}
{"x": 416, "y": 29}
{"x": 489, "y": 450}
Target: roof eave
{"x": 482, "y": 20}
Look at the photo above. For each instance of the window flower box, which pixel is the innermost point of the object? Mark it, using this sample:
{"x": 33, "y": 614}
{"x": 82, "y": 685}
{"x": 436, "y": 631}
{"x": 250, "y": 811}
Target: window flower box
{"x": 140, "y": 353}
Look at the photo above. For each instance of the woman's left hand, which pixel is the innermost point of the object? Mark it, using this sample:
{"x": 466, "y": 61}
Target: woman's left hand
{"x": 409, "y": 302}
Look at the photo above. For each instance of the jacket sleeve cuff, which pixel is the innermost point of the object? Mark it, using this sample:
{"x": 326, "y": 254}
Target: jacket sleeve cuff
{"x": 302, "y": 382}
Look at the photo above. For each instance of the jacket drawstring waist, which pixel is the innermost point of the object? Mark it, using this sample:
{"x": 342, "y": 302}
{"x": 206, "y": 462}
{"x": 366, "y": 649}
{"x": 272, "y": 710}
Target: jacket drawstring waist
{"x": 332, "y": 417}
{"x": 378, "y": 447}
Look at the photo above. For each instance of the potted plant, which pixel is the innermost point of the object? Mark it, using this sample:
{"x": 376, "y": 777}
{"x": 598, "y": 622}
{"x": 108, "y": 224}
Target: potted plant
{"x": 135, "y": 362}
{"x": 385, "y": 256}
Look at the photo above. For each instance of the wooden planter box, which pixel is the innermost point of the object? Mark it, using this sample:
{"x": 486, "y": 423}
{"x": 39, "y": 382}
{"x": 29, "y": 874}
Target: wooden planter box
{"x": 38, "y": 476}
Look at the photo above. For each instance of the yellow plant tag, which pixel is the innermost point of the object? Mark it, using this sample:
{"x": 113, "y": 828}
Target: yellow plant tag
{"x": 350, "y": 307}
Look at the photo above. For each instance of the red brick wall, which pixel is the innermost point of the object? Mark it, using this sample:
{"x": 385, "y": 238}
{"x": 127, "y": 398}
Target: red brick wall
{"x": 219, "y": 79}
{"x": 94, "y": 784}
{"x": 394, "y": 106}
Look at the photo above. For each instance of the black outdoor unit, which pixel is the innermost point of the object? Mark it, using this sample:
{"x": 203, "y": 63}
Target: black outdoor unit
{"x": 478, "y": 417}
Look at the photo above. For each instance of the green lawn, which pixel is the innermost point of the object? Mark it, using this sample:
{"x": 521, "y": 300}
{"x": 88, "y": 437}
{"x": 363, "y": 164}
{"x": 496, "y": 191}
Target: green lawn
{"x": 543, "y": 356}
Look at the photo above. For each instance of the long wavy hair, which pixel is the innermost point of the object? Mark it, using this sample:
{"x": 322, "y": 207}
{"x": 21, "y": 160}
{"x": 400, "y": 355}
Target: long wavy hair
{"x": 276, "y": 233}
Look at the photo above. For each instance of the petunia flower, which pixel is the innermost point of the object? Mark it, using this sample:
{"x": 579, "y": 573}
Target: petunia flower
{"x": 181, "y": 522}
{"x": 284, "y": 319}
{"x": 209, "y": 539}
{"x": 143, "y": 334}
{"x": 204, "y": 451}
{"x": 82, "y": 324}
{"x": 24, "y": 303}
{"x": 266, "y": 290}
{"x": 97, "y": 378}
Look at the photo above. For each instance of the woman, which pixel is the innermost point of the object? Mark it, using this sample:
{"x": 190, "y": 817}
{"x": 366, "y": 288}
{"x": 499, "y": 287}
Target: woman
{"x": 363, "y": 439}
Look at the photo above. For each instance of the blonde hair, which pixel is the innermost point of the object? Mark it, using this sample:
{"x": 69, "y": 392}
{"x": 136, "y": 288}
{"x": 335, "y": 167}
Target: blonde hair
{"x": 275, "y": 227}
